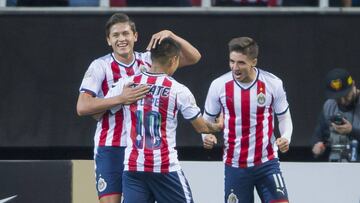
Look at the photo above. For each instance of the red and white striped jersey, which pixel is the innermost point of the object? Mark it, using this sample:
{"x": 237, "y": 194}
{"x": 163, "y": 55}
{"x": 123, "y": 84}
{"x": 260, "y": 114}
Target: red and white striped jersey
{"x": 248, "y": 116}
{"x": 99, "y": 78}
{"x": 151, "y": 122}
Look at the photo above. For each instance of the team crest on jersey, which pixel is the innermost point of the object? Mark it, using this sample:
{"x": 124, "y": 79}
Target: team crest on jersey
{"x": 232, "y": 198}
{"x": 101, "y": 185}
{"x": 261, "y": 99}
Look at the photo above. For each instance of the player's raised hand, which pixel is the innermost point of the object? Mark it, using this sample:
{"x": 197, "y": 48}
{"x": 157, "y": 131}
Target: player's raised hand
{"x": 283, "y": 144}
{"x": 131, "y": 94}
{"x": 158, "y": 37}
{"x": 209, "y": 141}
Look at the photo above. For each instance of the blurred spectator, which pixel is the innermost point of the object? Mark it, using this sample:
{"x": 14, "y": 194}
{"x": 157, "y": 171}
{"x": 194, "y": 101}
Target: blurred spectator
{"x": 338, "y": 126}
{"x": 42, "y": 3}
{"x": 247, "y": 2}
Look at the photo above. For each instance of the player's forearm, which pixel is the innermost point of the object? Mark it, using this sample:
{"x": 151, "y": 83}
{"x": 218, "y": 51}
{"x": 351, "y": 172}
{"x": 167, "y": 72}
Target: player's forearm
{"x": 189, "y": 54}
{"x": 213, "y": 127}
{"x": 285, "y": 125}
{"x": 91, "y": 105}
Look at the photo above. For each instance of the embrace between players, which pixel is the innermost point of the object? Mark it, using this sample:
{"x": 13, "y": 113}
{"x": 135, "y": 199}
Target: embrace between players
{"x": 136, "y": 102}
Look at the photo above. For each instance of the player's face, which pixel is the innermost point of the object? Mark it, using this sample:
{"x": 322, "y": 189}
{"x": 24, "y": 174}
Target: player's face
{"x": 122, "y": 39}
{"x": 242, "y": 67}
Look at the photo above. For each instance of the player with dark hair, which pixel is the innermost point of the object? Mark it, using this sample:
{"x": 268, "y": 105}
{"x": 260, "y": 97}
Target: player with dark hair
{"x": 102, "y": 73}
{"x": 152, "y": 171}
{"x": 250, "y": 98}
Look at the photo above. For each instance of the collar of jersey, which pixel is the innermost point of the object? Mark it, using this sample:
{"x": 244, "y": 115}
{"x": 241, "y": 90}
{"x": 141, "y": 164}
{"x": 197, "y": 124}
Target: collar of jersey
{"x": 124, "y": 64}
{"x": 252, "y": 83}
{"x": 154, "y": 74}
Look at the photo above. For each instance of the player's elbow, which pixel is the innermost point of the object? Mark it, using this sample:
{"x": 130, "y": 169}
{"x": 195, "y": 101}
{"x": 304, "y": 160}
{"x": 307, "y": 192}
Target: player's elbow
{"x": 196, "y": 58}
{"x": 81, "y": 110}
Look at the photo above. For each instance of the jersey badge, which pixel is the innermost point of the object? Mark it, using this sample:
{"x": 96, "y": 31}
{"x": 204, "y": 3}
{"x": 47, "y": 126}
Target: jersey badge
{"x": 261, "y": 99}
{"x": 101, "y": 185}
{"x": 232, "y": 198}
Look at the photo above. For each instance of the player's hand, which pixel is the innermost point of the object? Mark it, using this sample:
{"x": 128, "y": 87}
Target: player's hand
{"x": 343, "y": 129}
{"x": 318, "y": 148}
{"x": 209, "y": 141}
{"x": 158, "y": 37}
{"x": 283, "y": 144}
{"x": 130, "y": 94}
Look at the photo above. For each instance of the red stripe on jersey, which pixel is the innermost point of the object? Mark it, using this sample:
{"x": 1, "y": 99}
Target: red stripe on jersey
{"x": 164, "y": 104}
{"x": 130, "y": 71}
{"x": 115, "y": 71}
{"x": 105, "y": 119}
{"x": 245, "y": 127}
{"x": 104, "y": 129}
{"x": 270, "y": 149}
{"x": 119, "y": 116}
{"x": 104, "y": 86}
{"x": 134, "y": 151}
{"x": 148, "y": 150}
{"x": 139, "y": 62}
{"x": 259, "y": 134}
{"x": 119, "y": 119}
{"x": 229, "y": 92}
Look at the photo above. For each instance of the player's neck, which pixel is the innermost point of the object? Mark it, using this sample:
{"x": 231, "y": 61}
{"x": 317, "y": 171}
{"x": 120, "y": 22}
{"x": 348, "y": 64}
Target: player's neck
{"x": 126, "y": 58}
{"x": 155, "y": 68}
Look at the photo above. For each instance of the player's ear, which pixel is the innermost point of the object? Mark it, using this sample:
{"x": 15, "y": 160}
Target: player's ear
{"x": 135, "y": 36}
{"x": 254, "y": 62}
{"x": 108, "y": 41}
{"x": 174, "y": 59}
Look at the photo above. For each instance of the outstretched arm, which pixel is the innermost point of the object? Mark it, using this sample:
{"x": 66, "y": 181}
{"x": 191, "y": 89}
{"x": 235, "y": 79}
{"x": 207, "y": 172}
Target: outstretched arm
{"x": 89, "y": 105}
{"x": 203, "y": 126}
{"x": 189, "y": 54}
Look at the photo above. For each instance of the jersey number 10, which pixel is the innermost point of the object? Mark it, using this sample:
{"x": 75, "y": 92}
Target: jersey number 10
{"x": 148, "y": 130}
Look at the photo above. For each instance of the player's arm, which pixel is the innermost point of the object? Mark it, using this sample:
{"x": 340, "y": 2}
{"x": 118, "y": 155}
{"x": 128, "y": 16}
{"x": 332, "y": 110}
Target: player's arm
{"x": 281, "y": 107}
{"x": 88, "y": 104}
{"x": 285, "y": 128}
{"x": 189, "y": 54}
{"x": 212, "y": 105}
{"x": 202, "y": 126}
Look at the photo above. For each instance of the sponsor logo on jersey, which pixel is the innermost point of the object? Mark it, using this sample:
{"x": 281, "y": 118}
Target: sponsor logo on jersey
{"x": 101, "y": 185}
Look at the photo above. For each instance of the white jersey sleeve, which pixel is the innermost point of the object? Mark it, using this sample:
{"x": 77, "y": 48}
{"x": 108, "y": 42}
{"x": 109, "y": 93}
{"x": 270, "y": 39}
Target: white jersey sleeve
{"x": 93, "y": 78}
{"x": 212, "y": 103}
{"x": 187, "y": 104}
{"x": 280, "y": 102}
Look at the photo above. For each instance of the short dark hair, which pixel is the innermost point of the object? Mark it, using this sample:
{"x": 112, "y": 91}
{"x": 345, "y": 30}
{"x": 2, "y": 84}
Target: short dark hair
{"x": 167, "y": 49}
{"x": 244, "y": 45}
{"x": 119, "y": 18}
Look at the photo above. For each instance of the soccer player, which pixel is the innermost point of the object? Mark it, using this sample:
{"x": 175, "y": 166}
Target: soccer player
{"x": 102, "y": 73}
{"x": 250, "y": 97}
{"x": 152, "y": 171}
